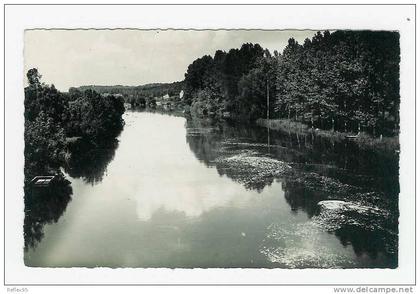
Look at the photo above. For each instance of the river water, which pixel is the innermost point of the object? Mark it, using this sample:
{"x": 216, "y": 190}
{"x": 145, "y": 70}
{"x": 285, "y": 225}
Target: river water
{"x": 171, "y": 192}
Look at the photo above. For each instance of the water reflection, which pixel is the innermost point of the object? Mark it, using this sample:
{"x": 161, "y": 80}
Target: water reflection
{"x": 302, "y": 199}
{"x": 194, "y": 193}
{"x": 210, "y": 141}
{"x": 379, "y": 245}
{"x": 89, "y": 160}
{"x": 164, "y": 174}
{"x": 322, "y": 170}
{"x": 342, "y": 161}
{"x": 44, "y": 205}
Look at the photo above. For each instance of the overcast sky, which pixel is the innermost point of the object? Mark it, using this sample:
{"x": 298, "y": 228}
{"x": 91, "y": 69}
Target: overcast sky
{"x": 69, "y": 58}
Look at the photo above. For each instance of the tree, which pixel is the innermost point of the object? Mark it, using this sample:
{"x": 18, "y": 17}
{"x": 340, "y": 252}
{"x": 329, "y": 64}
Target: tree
{"x": 34, "y": 78}
{"x": 51, "y": 116}
{"x": 44, "y": 145}
{"x": 93, "y": 116}
{"x": 344, "y": 80}
{"x": 212, "y": 84}
{"x": 255, "y": 86}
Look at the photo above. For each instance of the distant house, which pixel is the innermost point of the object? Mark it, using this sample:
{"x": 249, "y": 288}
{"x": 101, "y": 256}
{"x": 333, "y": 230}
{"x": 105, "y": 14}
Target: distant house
{"x": 181, "y": 94}
{"x": 166, "y": 96}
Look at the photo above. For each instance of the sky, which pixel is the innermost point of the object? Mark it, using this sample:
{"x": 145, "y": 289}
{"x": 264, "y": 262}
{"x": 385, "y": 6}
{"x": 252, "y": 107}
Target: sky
{"x": 71, "y": 58}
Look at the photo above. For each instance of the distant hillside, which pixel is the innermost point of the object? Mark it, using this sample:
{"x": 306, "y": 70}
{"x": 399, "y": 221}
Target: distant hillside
{"x": 148, "y": 90}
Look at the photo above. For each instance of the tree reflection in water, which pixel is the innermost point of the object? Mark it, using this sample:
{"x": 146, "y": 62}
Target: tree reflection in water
{"x": 379, "y": 244}
{"x": 323, "y": 169}
{"x": 204, "y": 139}
{"x": 209, "y": 141}
{"x": 89, "y": 160}
{"x": 44, "y": 205}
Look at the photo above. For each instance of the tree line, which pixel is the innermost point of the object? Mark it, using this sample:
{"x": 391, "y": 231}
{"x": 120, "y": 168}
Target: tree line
{"x": 153, "y": 89}
{"x": 52, "y": 117}
{"x": 344, "y": 81}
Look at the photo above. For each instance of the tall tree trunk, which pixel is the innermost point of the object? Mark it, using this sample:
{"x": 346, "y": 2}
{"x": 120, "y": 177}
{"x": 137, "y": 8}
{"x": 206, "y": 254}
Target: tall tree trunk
{"x": 268, "y": 102}
{"x": 303, "y": 111}
{"x": 383, "y": 120}
{"x": 312, "y": 119}
{"x": 297, "y": 136}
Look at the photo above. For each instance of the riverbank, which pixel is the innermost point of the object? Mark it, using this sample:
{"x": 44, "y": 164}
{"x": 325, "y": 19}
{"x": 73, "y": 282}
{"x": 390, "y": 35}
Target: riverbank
{"x": 364, "y": 140}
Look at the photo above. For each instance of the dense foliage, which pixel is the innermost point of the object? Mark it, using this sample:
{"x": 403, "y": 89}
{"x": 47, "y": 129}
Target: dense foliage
{"x": 211, "y": 84}
{"x": 92, "y": 115}
{"x": 345, "y": 80}
{"x": 51, "y": 117}
{"x": 58, "y": 127}
{"x": 137, "y": 95}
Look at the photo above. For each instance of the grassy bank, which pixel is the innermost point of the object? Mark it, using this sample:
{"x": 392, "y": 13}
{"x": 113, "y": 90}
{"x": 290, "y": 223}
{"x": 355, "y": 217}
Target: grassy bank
{"x": 363, "y": 140}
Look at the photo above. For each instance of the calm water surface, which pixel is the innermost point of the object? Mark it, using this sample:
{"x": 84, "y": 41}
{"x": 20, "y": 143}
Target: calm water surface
{"x": 156, "y": 197}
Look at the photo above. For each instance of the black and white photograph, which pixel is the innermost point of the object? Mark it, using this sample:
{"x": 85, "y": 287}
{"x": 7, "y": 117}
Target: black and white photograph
{"x": 213, "y": 148}
{"x": 271, "y": 149}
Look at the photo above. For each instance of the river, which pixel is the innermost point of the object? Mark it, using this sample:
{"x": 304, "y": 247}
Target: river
{"x": 177, "y": 193}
